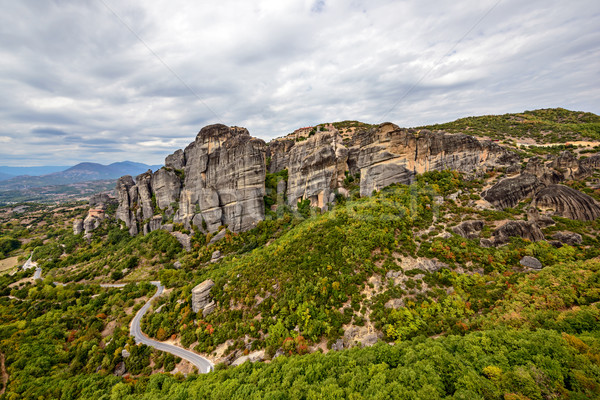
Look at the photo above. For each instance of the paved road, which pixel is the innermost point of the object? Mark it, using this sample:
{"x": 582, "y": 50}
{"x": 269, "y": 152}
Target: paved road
{"x": 204, "y": 365}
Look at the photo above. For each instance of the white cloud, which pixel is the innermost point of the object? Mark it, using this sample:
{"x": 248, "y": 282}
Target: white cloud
{"x": 75, "y": 84}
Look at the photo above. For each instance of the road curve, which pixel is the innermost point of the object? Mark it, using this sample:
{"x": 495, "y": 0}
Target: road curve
{"x": 204, "y": 365}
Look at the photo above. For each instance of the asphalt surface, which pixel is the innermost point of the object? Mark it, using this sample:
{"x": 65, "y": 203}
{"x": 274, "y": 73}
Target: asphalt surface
{"x": 204, "y": 365}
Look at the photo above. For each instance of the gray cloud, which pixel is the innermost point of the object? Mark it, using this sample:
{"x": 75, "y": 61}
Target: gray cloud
{"x": 79, "y": 86}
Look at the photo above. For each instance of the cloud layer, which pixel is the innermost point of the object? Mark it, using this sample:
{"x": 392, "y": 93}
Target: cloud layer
{"x": 105, "y": 81}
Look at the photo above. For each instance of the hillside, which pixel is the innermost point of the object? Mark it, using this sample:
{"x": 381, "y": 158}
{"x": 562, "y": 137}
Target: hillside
{"x": 554, "y": 125}
{"x": 382, "y": 263}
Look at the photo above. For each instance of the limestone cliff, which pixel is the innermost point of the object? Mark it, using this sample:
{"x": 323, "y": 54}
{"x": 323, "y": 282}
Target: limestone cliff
{"x": 389, "y": 154}
{"x": 316, "y": 168}
{"x": 217, "y": 180}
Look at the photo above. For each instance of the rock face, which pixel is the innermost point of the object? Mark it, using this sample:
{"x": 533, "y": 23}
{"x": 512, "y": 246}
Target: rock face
{"x": 508, "y": 192}
{"x": 469, "y": 229}
{"x": 544, "y": 173}
{"x": 279, "y": 151}
{"x": 574, "y": 168}
{"x": 201, "y": 295}
{"x": 77, "y": 226}
{"x": 389, "y": 155}
{"x": 316, "y": 168}
{"x": 566, "y": 202}
{"x": 525, "y": 229}
{"x": 217, "y": 180}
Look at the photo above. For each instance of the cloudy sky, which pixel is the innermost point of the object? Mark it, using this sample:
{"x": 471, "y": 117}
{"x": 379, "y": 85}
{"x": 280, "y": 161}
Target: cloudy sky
{"x": 114, "y": 80}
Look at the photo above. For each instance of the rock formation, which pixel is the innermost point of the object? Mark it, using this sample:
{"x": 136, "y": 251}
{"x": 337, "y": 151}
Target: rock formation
{"x": 544, "y": 173}
{"x": 508, "y": 192}
{"x": 77, "y": 226}
{"x": 524, "y": 229}
{"x": 218, "y": 180}
{"x": 566, "y": 202}
{"x": 531, "y": 262}
{"x": 316, "y": 168}
{"x": 96, "y": 214}
{"x": 389, "y": 155}
{"x": 201, "y": 296}
{"x": 570, "y": 238}
{"x": 469, "y": 229}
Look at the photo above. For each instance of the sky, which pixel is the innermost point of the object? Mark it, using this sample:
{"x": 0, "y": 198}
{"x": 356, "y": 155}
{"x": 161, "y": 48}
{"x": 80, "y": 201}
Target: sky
{"x": 115, "y": 80}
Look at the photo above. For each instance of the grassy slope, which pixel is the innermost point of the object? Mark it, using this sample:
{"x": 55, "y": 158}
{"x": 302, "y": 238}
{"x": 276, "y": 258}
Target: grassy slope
{"x": 555, "y": 125}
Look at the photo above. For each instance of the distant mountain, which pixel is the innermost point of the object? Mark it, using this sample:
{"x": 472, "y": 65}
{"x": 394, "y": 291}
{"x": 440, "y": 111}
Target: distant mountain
{"x": 33, "y": 171}
{"x": 88, "y": 171}
{"x": 82, "y": 172}
{"x": 4, "y": 176}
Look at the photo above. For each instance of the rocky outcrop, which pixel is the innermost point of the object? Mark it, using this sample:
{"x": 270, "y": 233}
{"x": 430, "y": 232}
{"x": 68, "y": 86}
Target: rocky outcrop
{"x": 201, "y": 295}
{"x": 543, "y": 172}
{"x": 224, "y": 180}
{"x": 217, "y": 180}
{"x": 570, "y": 238}
{"x": 316, "y": 168}
{"x": 469, "y": 229}
{"x": 127, "y": 196}
{"x": 183, "y": 239}
{"x": 389, "y": 155}
{"x": 566, "y": 202}
{"x": 508, "y": 192}
{"x": 176, "y": 160}
{"x": 524, "y": 229}
{"x": 77, "y": 226}
{"x": 100, "y": 200}
{"x": 95, "y": 216}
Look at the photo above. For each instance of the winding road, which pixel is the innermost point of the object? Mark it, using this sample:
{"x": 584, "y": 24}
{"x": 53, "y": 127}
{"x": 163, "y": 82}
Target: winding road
{"x": 204, "y": 365}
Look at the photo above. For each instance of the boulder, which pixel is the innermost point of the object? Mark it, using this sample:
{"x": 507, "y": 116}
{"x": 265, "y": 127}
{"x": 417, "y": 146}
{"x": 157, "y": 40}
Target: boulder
{"x": 201, "y": 295}
{"x": 252, "y": 357}
{"x": 531, "y": 262}
{"x": 218, "y": 237}
{"x": 570, "y": 238}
